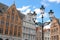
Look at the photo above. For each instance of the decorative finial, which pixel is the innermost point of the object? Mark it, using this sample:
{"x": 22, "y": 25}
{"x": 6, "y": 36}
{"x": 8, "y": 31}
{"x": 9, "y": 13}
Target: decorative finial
{"x": 42, "y": 7}
{"x": 34, "y": 13}
{"x": 51, "y": 12}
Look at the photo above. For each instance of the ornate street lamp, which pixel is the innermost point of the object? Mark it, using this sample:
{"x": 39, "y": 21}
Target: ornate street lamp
{"x": 51, "y": 15}
{"x": 42, "y": 13}
{"x": 42, "y": 9}
{"x": 34, "y": 16}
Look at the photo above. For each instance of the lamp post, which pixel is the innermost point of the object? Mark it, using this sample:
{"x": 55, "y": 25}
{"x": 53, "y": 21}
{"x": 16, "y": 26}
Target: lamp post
{"x": 51, "y": 16}
{"x": 34, "y": 18}
{"x": 42, "y": 13}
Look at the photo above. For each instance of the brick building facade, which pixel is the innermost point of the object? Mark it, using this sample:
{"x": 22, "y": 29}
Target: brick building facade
{"x": 55, "y": 29}
{"x": 10, "y": 23}
{"x": 38, "y": 33}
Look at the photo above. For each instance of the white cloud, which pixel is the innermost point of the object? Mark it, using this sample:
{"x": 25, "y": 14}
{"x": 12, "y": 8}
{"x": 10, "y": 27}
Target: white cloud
{"x": 44, "y": 2}
{"x": 27, "y": 11}
{"x": 23, "y": 8}
{"x": 51, "y": 0}
{"x": 48, "y": 21}
{"x": 37, "y": 10}
{"x": 36, "y": 21}
{"x": 58, "y": 1}
{"x": 48, "y": 26}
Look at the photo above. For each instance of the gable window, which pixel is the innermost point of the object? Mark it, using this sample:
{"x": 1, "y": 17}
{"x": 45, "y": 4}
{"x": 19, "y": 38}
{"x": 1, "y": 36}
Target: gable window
{"x": 13, "y": 11}
{"x": 12, "y": 18}
{"x": 16, "y": 17}
{"x": 7, "y": 24}
{"x": 8, "y": 16}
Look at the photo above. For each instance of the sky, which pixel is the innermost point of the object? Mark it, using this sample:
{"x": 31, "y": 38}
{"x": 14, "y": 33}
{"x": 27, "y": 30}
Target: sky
{"x": 25, "y": 6}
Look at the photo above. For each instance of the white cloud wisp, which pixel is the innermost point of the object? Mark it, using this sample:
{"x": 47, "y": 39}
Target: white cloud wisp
{"x": 24, "y": 9}
{"x": 57, "y": 1}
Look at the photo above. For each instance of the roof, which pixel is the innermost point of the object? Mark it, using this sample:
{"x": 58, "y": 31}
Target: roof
{"x": 21, "y": 15}
{"x": 29, "y": 13}
{"x": 3, "y": 7}
{"x": 3, "y": 4}
{"x": 6, "y": 7}
{"x": 58, "y": 20}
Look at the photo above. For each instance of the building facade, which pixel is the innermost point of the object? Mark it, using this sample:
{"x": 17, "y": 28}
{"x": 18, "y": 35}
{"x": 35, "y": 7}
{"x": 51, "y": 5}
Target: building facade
{"x": 10, "y": 23}
{"x": 55, "y": 29}
{"x": 28, "y": 28}
{"x": 46, "y": 34}
{"x": 39, "y": 33}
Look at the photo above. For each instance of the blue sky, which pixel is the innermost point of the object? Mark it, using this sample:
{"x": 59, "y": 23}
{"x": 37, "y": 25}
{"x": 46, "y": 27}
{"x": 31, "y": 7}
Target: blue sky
{"x": 33, "y": 5}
